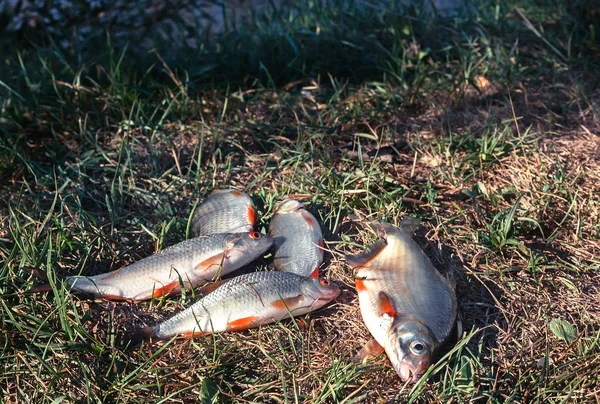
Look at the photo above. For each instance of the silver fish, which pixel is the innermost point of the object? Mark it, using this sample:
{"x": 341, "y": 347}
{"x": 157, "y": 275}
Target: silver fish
{"x": 244, "y": 302}
{"x": 188, "y": 264}
{"x": 297, "y": 239}
{"x": 224, "y": 211}
{"x": 407, "y": 305}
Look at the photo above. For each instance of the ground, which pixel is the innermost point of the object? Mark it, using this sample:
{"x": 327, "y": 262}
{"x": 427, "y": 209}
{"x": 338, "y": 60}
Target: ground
{"x": 486, "y": 128}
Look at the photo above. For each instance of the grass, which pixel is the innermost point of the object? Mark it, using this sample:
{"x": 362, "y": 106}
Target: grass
{"x": 483, "y": 126}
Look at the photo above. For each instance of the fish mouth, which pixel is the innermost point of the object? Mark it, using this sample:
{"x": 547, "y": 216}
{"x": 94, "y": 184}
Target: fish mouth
{"x": 408, "y": 372}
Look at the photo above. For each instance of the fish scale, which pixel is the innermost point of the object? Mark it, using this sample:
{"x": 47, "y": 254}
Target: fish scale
{"x": 297, "y": 239}
{"x": 192, "y": 262}
{"x": 248, "y": 301}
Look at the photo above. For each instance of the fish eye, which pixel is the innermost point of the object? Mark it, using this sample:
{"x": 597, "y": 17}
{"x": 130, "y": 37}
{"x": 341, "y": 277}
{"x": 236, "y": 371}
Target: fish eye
{"x": 418, "y": 348}
{"x": 325, "y": 282}
{"x": 255, "y": 235}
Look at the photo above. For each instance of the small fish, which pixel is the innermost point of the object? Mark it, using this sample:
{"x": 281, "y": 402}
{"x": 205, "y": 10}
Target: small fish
{"x": 297, "y": 239}
{"x": 224, "y": 211}
{"x": 244, "y": 302}
{"x": 190, "y": 263}
{"x": 407, "y": 305}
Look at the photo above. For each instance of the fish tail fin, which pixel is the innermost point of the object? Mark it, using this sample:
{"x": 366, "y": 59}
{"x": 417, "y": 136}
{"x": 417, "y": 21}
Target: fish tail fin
{"x": 38, "y": 273}
{"x": 39, "y": 289}
{"x": 135, "y": 338}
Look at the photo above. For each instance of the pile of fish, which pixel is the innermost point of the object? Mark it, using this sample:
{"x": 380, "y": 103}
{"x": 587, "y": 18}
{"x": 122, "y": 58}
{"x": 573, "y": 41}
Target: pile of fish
{"x": 406, "y": 304}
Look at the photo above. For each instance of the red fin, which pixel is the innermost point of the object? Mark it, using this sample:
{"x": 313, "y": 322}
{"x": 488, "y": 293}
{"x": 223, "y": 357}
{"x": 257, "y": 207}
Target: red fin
{"x": 206, "y": 289}
{"x": 114, "y": 298}
{"x": 308, "y": 218}
{"x": 369, "y": 351}
{"x": 321, "y": 243}
{"x": 360, "y": 285}
{"x": 242, "y": 323}
{"x": 364, "y": 259}
{"x": 288, "y": 303}
{"x": 215, "y": 260}
{"x": 315, "y": 273}
{"x": 166, "y": 290}
{"x": 236, "y": 193}
{"x": 386, "y": 305}
{"x": 194, "y": 334}
{"x": 251, "y": 214}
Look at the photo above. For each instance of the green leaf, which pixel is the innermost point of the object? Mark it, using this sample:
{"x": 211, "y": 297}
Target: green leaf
{"x": 209, "y": 393}
{"x": 563, "y": 329}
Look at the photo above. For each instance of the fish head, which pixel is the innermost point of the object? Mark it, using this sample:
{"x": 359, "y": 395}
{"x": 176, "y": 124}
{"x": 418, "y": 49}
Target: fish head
{"x": 320, "y": 290}
{"x": 288, "y": 205}
{"x": 409, "y": 345}
{"x": 243, "y": 248}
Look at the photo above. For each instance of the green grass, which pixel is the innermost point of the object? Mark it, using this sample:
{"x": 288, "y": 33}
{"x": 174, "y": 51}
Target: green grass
{"x": 477, "y": 125}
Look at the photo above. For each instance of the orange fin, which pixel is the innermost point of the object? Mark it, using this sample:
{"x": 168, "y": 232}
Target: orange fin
{"x": 288, "y": 303}
{"x": 315, "y": 273}
{"x": 210, "y": 262}
{"x": 114, "y": 298}
{"x": 386, "y": 305}
{"x": 251, "y": 214}
{"x": 166, "y": 290}
{"x": 360, "y": 285}
{"x": 365, "y": 258}
{"x": 242, "y": 323}
{"x": 308, "y": 218}
{"x": 235, "y": 193}
{"x": 369, "y": 351}
{"x": 193, "y": 334}
{"x": 206, "y": 289}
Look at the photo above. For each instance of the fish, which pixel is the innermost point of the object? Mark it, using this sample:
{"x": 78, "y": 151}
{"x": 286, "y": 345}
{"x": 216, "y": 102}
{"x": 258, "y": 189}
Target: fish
{"x": 407, "y": 305}
{"x": 224, "y": 211}
{"x": 243, "y": 302}
{"x": 297, "y": 239}
{"x": 188, "y": 264}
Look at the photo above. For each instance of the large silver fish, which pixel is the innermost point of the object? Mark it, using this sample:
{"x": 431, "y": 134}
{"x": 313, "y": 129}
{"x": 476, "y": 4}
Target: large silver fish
{"x": 188, "y": 264}
{"x": 407, "y": 305}
{"x": 244, "y": 302}
{"x": 224, "y": 211}
{"x": 297, "y": 239}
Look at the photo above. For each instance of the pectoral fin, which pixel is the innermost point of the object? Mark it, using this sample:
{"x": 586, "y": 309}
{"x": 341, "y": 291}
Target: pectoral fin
{"x": 369, "y": 351}
{"x": 288, "y": 303}
{"x": 212, "y": 262}
{"x": 364, "y": 259}
{"x": 386, "y": 305}
{"x": 166, "y": 290}
{"x": 206, "y": 289}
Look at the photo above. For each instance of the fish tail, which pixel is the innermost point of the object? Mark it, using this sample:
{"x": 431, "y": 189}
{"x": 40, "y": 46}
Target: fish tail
{"x": 39, "y": 289}
{"x": 41, "y": 275}
{"x": 38, "y": 273}
{"x": 135, "y": 338}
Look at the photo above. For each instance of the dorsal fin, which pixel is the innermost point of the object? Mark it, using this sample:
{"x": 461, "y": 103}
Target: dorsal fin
{"x": 363, "y": 259}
